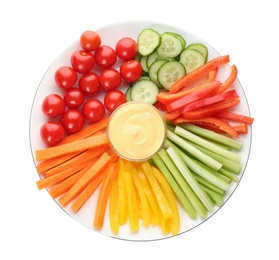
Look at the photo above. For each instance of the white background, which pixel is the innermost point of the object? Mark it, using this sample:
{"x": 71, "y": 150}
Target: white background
{"x": 34, "y": 33}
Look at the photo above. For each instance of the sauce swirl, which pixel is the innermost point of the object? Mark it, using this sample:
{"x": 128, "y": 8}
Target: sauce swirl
{"x": 136, "y": 131}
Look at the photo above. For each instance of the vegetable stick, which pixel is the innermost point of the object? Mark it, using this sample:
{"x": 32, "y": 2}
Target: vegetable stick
{"x": 212, "y": 75}
{"x": 109, "y": 177}
{"x": 197, "y": 73}
{"x": 91, "y": 172}
{"x": 123, "y": 209}
{"x": 53, "y": 179}
{"x": 159, "y": 195}
{"x": 235, "y": 117}
{"x": 143, "y": 199}
{"x": 87, "y": 192}
{"x": 65, "y": 185}
{"x": 114, "y": 218}
{"x": 131, "y": 201}
{"x": 150, "y": 196}
{"x": 175, "y": 220}
{"x": 86, "y": 132}
{"x": 229, "y": 81}
{"x": 50, "y": 163}
{"x": 80, "y": 158}
{"x": 76, "y": 146}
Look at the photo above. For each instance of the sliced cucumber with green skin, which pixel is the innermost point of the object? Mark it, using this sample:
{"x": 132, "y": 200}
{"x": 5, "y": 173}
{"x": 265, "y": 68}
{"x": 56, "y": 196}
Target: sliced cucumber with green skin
{"x": 180, "y": 37}
{"x": 144, "y": 91}
{"x": 170, "y": 46}
{"x": 128, "y": 94}
{"x": 200, "y": 48}
{"x": 148, "y": 41}
{"x": 191, "y": 59}
{"x": 151, "y": 58}
{"x": 153, "y": 71}
{"x": 170, "y": 72}
{"x": 143, "y": 62}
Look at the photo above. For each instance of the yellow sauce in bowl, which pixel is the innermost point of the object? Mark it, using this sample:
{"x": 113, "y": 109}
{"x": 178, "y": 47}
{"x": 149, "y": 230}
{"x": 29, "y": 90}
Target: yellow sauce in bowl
{"x": 136, "y": 131}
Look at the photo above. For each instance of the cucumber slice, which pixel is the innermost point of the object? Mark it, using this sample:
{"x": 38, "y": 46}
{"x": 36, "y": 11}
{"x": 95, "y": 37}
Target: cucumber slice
{"x": 128, "y": 94}
{"x": 170, "y": 46}
{"x": 153, "y": 71}
{"x": 143, "y": 62}
{"x": 200, "y": 48}
{"x": 170, "y": 72}
{"x": 180, "y": 37}
{"x": 151, "y": 58}
{"x": 144, "y": 91}
{"x": 191, "y": 59}
{"x": 148, "y": 41}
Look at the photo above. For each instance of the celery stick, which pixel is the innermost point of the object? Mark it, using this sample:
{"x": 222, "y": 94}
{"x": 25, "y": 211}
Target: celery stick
{"x": 229, "y": 165}
{"x": 208, "y": 184}
{"x": 216, "y": 173}
{"x": 182, "y": 198}
{"x": 199, "y": 169}
{"x": 179, "y": 141}
{"x": 202, "y": 142}
{"x": 201, "y": 194}
{"x": 228, "y": 174}
{"x": 190, "y": 194}
{"x": 215, "y": 197}
{"x": 213, "y": 136}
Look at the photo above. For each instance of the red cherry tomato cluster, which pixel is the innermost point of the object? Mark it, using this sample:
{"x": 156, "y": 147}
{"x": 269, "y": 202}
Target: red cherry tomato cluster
{"x": 79, "y": 103}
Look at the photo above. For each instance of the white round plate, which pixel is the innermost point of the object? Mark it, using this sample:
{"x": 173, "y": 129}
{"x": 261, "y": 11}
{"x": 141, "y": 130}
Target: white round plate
{"x": 110, "y": 35}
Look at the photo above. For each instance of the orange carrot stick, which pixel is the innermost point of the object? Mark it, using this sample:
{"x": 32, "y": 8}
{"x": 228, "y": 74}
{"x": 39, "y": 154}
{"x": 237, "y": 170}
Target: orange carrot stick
{"x": 104, "y": 195}
{"x": 76, "y": 146}
{"x": 50, "y": 163}
{"x": 91, "y": 172}
{"x": 53, "y": 179}
{"x": 65, "y": 185}
{"x": 87, "y": 192}
{"x": 197, "y": 73}
{"x": 80, "y": 158}
{"x": 86, "y": 132}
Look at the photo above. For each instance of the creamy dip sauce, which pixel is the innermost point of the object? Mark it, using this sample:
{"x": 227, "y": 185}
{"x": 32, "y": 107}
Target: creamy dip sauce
{"x": 136, "y": 131}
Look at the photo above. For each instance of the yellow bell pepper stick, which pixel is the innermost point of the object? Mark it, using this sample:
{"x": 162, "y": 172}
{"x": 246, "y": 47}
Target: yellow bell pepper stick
{"x": 131, "y": 201}
{"x": 143, "y": 199}
{"x": 160, "y": 196}
{"x": 114, "y": 207}
{"x": 123, "y": 209}
{"x": 175, "y": 220}
{"x": 150, "y": 196}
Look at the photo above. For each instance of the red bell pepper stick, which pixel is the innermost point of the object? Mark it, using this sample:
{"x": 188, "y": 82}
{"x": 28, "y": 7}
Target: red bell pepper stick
{"x": 198, "y": 94}
{"x": 212, "y": 123}
{"x": 211, "y": 109}
{"x": 235, "y": 117}
{"x": 229, "y": 81}
{"x": 241, "y": 128}
{"x": 201, "y": 103}
{"x": 199, "y": 72}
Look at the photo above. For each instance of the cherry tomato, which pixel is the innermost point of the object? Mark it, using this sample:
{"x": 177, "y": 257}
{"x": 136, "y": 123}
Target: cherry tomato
{"x": 65, "y": 77}
{"x": 110, "y": 79}
{"x": 82, "y": 61}
{"x": 89, "y": 83}
{"x": 53, "y": 105}
{"x": 114, "y": 99}
{"x": 131, "y": 70}
{"x": 90, "y": 40}
{"x": 105, "y": 56}
{"x": 52, "y": 132}
{"x": 126, "y": 48}
{"x": 73, "y": 97}
{"x": 93, "y": 110}
{"x": 72, "y": 120}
